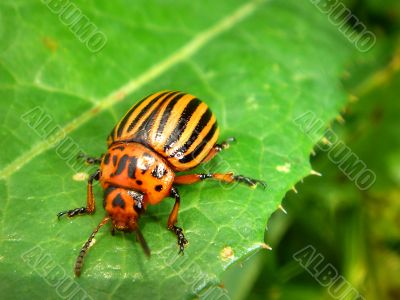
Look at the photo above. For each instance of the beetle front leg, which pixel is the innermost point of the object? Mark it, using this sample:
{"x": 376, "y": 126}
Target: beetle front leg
{"x": 90, "y": 203}
{"x": 173, "y": 219}
{"x": 90, "y": 160}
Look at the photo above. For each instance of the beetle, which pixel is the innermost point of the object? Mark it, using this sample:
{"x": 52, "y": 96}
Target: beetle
{"x": 161, "y": 135}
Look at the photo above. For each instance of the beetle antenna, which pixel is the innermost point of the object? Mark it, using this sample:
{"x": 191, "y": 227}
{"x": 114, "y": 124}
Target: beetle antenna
{"x": 85, "y": 248}
{"x": 142, "y": 241}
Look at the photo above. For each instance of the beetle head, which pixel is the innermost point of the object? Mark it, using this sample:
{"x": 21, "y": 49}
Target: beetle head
{"x": 124, "y": 207}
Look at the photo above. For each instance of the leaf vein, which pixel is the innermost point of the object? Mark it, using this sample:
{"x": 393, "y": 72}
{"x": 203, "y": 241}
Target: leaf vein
{"x": 185, "y": 52}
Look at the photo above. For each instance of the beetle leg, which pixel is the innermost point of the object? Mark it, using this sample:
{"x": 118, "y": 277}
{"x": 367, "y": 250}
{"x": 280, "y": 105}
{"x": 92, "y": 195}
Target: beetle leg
{"x": 218, "y": 148}
{"x": 173, "y": 219}
{"x": 90, "y": 205}
{"x": 228, "y": 178}
{"x": 89, "y": 159}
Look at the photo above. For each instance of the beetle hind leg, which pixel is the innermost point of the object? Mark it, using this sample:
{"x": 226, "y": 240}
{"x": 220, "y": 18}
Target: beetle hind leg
{"x": 251, "y": 182}
{"x": 173, "y": 219}
{"x": 90, "y": 205}
{"x": 218, "y": 148}
{"x": 227, "y": 178}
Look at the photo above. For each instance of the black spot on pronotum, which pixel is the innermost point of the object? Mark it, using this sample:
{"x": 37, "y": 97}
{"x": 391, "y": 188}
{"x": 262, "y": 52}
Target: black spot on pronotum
{"x": 139, "y": 182}
{"x": 122, "y": 164}
{"x": 114, "y": 160}
{"x": 106, "y": 159}
{"x": 118, "y": 201}
{"x": 158, "y": 188}
{"x": 132, "y": 167}
{"x": 159, "y": 172}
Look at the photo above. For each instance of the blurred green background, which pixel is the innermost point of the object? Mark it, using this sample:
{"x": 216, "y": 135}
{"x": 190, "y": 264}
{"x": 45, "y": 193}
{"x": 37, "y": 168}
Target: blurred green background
{"x": 358, "y": 232}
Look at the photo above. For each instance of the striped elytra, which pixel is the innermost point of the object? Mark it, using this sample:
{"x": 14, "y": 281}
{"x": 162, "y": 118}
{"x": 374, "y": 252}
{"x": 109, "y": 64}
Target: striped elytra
{"x": 176, "y": 125}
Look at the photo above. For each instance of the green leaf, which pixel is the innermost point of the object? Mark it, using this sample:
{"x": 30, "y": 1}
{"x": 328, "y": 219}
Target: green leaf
{"x": 259, "y": 65}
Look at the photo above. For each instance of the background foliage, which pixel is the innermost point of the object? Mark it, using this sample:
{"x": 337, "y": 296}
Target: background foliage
{"x": 358, "y": 232}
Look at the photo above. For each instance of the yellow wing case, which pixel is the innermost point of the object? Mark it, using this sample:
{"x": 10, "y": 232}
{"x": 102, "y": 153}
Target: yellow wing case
{"x": 178, "y": 126}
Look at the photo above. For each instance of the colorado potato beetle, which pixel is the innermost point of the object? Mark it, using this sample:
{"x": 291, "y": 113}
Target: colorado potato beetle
{"x": 162, "y": 134}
